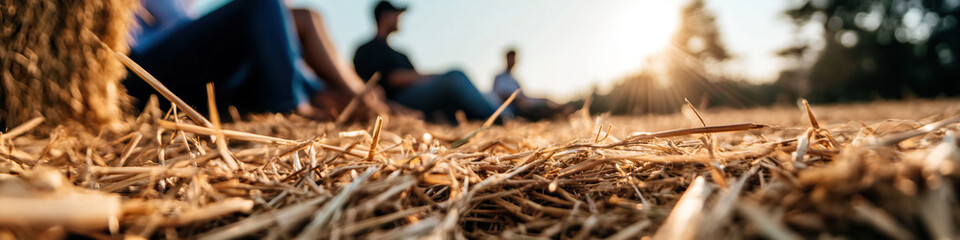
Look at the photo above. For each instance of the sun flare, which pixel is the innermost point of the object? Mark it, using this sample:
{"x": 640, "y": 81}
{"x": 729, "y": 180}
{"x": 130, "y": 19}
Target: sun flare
{"x": 637, "y": 30}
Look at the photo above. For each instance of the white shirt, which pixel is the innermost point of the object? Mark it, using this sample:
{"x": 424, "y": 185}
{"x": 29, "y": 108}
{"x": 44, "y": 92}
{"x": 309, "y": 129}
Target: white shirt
{"x": 504, "y": 85}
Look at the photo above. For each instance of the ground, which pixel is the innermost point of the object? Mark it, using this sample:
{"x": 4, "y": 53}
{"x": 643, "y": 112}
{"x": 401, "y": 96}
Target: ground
{"x": 867, "y": 170}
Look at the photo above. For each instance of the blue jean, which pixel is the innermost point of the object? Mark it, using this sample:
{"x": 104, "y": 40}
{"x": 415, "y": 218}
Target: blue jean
{"x": 247, "y": 48}
{"x": 445, "y": 94}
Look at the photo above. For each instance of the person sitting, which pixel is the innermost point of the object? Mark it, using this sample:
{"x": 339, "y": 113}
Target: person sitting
{"x": 437, "y": 96}
{"x": 534, "y": 109}
{"x": 251, "y": 51}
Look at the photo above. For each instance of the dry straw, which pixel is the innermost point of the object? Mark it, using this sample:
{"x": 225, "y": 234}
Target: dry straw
{"x": 401, "y": 179}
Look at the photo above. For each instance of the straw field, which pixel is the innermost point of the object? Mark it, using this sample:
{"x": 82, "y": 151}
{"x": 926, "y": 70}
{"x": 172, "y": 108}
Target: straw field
{"x": 872, "y": 170}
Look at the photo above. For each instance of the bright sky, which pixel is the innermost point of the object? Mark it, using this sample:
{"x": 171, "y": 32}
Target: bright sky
{"x": 564, "y": 46}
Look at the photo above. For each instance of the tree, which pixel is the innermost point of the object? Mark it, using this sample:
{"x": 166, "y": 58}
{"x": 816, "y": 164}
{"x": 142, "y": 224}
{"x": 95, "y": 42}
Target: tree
{"x": 695, "y": 57}
{"x": 881, "y": 48}
{"x": 698, "y": 35}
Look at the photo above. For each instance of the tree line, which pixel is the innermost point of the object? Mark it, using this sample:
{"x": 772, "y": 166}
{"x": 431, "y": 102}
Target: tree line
{"x": 867, "y": 50}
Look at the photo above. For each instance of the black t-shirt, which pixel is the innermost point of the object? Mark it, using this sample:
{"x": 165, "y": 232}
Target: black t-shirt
{"x": 377, "y": 56}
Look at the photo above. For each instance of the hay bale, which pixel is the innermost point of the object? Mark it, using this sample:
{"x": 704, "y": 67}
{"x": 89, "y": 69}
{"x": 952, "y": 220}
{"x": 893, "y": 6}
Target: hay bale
{"x": 52, "y": 67}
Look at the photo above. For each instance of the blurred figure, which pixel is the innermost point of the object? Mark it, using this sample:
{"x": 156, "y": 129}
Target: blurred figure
{"x": 251, "y": 50}
{"x": 525, "y": 106}
{"x": 444, "y": 94}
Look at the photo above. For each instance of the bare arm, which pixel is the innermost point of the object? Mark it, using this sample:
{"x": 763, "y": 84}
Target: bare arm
{"x": 320, "y": 54}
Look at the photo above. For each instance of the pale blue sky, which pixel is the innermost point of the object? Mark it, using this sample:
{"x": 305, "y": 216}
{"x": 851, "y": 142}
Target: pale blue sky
{"x": 565, "y": 46}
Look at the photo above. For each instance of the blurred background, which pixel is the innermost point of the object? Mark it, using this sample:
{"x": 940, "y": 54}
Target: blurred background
{"x": 646, "y": 56}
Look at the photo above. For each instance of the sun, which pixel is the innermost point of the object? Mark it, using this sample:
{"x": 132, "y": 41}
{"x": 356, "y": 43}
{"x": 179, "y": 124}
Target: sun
{"x": 635, "y": 30}
{"x": 644, "y": 27}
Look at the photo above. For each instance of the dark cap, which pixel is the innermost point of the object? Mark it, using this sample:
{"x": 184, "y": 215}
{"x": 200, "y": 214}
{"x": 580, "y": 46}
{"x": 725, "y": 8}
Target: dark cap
{"x": 386, "y": 6}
